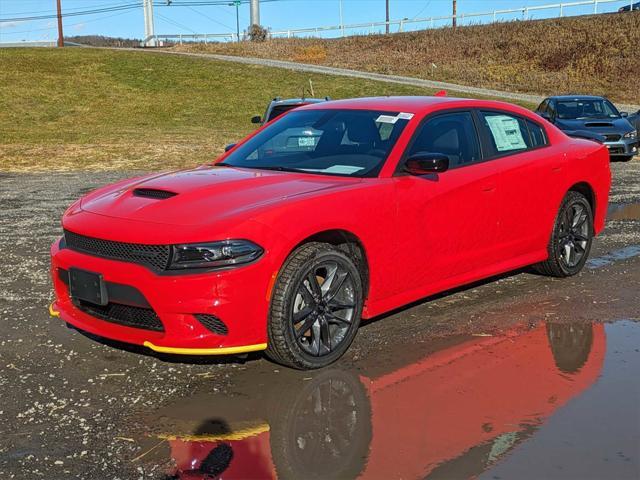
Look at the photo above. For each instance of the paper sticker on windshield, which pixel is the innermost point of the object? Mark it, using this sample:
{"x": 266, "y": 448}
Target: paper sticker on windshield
{"x": 405, "y": 116}
{"x": 306, "y": 141}
{"x": 506, "y": 133}
{"x": 386, "y": 119}
{"x": 343, "y": 169}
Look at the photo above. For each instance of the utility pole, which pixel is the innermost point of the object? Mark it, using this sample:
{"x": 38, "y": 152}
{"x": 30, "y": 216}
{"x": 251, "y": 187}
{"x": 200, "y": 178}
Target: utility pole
{"x": 255, "y": 12}
{"x": 387, "y": 17}
{"x": 149, "y": 30}
{"x": 341, "y": 19}
{"x": 455, "y": 13}
{"x": 236, "y": 3}
{"x": 60, "y": 34}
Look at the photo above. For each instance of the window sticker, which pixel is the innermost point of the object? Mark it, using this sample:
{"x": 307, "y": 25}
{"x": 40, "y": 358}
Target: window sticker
{"x": 506, "y": 133}
{"x": 340, "y": 169}
{"x": 386, "y": 119}
{"x": 306, "y": 141}
{"x": 392, "y": 119}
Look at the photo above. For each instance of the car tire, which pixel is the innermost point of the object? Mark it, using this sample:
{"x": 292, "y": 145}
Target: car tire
{"x": 310, "y": 324}
{"x": 626, "y": 158}
{"x": 571, "y": 238}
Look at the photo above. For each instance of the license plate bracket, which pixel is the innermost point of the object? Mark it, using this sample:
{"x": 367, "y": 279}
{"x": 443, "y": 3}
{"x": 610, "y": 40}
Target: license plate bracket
{"x": 87, "y": 286}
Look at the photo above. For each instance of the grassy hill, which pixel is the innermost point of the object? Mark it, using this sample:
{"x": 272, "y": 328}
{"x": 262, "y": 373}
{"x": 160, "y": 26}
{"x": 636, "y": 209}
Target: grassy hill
{"x": 74, "y": 108}
{"x": 594, "y": 54}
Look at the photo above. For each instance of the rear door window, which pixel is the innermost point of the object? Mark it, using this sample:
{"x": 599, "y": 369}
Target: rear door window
{"x": 506, "y": 133}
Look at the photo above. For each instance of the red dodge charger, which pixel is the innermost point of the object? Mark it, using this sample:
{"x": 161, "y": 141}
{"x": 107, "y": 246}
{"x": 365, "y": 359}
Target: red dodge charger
{"x": 330, "y": 214}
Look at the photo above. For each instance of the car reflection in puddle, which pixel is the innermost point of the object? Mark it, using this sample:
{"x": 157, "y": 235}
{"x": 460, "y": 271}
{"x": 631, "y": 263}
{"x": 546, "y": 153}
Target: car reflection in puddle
{"x": 455, "y": 413}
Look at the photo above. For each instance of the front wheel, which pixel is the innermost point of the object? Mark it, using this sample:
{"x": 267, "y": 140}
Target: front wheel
{"x": 628, "y": 158}
{"x": 571, "y": 238}
{"x": 315, "y": 307}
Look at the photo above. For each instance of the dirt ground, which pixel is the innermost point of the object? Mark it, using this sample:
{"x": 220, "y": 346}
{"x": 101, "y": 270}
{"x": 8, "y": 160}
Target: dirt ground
{"x": 74, "y": 407}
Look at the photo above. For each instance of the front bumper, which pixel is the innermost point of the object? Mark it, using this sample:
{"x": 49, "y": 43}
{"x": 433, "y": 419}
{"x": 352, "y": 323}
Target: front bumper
{"x": 623, "y": 148}
{"x": 238, "y": 297}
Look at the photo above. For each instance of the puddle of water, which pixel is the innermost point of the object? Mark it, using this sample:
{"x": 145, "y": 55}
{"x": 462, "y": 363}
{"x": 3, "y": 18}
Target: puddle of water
{"x": 623, "y": 211}
{"x": 611, "y": 257}
{"x": 494, "y": 405}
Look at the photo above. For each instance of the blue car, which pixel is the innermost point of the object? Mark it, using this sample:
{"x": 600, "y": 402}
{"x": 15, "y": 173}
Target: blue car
{"x": 596, "y": 117}
{"x": 630, "y": 8}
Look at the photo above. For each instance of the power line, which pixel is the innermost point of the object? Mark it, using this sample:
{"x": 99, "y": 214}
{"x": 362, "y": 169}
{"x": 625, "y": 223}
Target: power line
{"x": 51, "y": 27}
{"x": 173, "y": 22}
{"x": 210, "y": 18}
{"x": 74, "y": 14}
{"x": 111, "y": 4}
{"x": 127, "y": 6}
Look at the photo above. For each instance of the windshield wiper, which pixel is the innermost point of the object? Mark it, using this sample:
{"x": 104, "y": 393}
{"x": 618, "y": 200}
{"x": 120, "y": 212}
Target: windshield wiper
{"x": 276, "y": 168}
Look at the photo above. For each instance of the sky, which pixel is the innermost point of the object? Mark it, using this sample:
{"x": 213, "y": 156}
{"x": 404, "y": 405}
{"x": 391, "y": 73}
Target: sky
{"x": 275, "y": 14}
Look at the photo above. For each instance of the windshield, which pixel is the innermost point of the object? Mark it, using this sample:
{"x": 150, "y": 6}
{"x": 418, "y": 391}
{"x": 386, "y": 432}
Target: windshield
{"x": 280, "y": 109}
{"x": 331, "y": 142}
{"x": 588, "y": 108}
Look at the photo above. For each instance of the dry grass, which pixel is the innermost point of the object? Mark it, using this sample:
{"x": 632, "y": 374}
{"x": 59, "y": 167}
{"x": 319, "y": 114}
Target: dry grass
{"x": 594, "y": 54}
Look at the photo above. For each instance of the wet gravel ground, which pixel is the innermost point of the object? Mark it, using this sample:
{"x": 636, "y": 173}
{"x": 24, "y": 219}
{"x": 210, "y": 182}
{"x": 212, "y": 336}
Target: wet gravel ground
{"x": 73, "y": 407}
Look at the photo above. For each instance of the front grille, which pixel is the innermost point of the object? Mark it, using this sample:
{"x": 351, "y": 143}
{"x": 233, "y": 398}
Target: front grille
{"x": 153, "y": 193}
{"x": 136, "y": 317}
{"x": 616, "y": 150}
{"x": 213, "y": 324}
{"x": 154, "y": 256}
{"x": 612, "y": 137}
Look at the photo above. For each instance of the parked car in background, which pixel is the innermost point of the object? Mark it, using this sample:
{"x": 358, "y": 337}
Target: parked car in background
{"x": 630, "y": 8}
{"x": 634, "y": 119}
{"x": 597, "y": 115}
{"x": 332, "y": 213}
{"x": 278, "y": 106}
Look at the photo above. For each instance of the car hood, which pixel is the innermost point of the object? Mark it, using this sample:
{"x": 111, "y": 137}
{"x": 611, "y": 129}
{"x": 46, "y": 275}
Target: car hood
{"x": 203, "y": 195}
{"x": 598, "y": 125}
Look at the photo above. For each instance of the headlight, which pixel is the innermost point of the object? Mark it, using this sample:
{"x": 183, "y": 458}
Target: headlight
{"x": 214, "y": 254}
{"x": 631, "y": 134}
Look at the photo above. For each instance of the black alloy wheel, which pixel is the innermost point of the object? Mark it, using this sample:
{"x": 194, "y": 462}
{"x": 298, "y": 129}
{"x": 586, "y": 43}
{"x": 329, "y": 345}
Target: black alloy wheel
{"x": 315, "y": 308}
{"x": 571, "y": 238}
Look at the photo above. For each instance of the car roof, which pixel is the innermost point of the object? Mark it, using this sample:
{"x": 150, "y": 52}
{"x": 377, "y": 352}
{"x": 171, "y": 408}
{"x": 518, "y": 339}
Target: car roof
{"x": 414, "y": 104}
{"x": 577, "y": 97}
{"x": 296, "y": 101}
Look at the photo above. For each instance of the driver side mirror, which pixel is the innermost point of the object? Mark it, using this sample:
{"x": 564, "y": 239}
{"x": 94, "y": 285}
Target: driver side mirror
{"x": 229, "y": 147}
{"x": 424, "y": 163}
{"x": 624, "y": 114}
{"x": 256, "y": 119}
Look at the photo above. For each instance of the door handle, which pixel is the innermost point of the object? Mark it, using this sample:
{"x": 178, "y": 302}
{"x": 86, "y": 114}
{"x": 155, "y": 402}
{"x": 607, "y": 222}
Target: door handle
{"x": 489, "y": 188}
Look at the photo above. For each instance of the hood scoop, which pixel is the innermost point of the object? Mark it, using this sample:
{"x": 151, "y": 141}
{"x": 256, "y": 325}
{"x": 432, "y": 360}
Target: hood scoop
{"x": 153, "y": 193}
{"x": 598, "y": 124}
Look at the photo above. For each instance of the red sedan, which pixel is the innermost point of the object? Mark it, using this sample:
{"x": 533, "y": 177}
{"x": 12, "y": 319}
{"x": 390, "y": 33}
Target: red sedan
{"x": 333, "y": 213}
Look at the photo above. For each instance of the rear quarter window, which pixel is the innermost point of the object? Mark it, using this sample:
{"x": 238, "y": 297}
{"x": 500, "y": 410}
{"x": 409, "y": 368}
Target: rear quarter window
{"x": 538, "y": 135}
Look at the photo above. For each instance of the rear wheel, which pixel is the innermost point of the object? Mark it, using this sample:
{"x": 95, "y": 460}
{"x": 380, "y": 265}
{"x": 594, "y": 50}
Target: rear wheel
{"x": 571, "y": 238}
{"x": 315, "y": 307}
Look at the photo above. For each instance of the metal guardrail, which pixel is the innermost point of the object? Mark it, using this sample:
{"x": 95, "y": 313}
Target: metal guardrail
{"x": 29, "y": 43}
{"x": 563, "y": 9}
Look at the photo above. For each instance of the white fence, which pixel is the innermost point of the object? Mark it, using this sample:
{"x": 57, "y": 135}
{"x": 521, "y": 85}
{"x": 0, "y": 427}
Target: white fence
{"x": 29, "y": 43}
{"x": 584, "y": 7}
